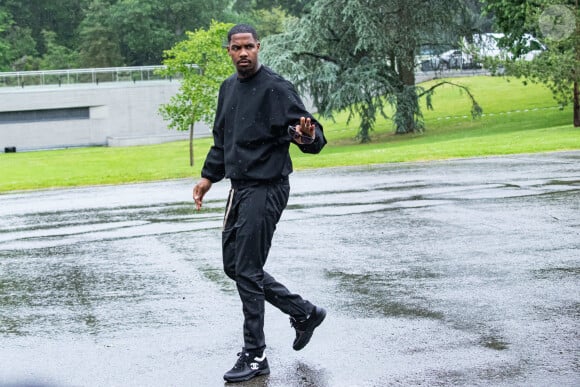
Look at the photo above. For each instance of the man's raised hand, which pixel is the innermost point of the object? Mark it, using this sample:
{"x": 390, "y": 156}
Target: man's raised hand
{"x": 304, "y": 132}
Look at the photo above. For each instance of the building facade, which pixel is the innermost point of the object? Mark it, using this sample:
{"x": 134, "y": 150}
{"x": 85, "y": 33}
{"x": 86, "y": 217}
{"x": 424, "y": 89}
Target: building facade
{"x": 75, "y": 115}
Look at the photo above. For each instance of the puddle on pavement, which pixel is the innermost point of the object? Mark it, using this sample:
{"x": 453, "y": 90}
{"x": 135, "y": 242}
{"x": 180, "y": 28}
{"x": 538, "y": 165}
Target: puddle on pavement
{"x": 563, "y": 182}
{"x": 87, "y": 289}
{"x": 217, "y": 276}
{"x": 169, "y": 212}
{"x": 493, "y": 342}
{"x": 558, "y": 273}
{"x": 387, "y": 295}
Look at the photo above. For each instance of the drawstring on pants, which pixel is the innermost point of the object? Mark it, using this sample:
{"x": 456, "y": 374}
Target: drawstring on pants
{"x": 229, "y": 206}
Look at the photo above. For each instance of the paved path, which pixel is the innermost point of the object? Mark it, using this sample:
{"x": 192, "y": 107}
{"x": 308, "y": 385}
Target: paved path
{"x": 461, "y": 272}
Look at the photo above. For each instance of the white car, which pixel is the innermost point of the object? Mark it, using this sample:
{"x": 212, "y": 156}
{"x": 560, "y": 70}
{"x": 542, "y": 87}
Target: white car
{"x": 455, "y": 59}
{"x": 486, "y": 45}
{"x": 452, "y": 59}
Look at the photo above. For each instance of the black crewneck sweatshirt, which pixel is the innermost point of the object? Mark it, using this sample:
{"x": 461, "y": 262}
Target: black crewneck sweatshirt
{"x": 251, "y": 140}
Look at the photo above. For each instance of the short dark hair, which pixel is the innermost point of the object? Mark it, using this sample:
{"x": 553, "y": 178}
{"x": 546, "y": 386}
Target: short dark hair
{"x": 241, "y": 29}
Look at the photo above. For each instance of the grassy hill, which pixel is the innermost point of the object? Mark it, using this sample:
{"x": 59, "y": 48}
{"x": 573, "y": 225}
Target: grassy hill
{"x": 517, "y": 119}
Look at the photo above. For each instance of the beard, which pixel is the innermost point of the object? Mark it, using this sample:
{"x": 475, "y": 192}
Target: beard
{"x": 246, "y": 71}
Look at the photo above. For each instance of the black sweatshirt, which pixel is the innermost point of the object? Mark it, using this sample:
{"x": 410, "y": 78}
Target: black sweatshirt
{"x": 251, "y": 140}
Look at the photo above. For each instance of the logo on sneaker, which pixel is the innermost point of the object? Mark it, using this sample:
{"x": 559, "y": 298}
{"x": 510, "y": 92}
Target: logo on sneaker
{"x": 260, "y": 358}
{"x": 254, "y": 366}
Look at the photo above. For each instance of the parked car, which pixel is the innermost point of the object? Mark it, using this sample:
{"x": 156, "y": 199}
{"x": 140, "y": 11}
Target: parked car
{"x": 486, "y": 45}
{"x": 452, "y": 59}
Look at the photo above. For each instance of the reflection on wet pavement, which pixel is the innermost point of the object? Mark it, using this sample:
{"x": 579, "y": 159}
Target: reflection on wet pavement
{"x": 458, "y": 272}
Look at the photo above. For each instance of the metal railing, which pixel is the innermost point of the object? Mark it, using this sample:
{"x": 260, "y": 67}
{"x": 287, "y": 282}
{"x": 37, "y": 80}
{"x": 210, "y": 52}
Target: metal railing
{"x": 81, "y": 76}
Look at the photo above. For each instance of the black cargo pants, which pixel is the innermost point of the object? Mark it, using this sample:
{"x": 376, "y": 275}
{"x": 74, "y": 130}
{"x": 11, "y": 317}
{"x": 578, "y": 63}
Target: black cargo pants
{"x": 252, "y": 212}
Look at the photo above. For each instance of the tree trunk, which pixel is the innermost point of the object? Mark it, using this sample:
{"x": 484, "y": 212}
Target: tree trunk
{"x": 407, "y": 104}
{"x": 576, "y": 105}
{"x": 191, "y": 144}
{"x": 368, "y": 117}
{"x": 577, "y": 74}
{"x": 407, "y": 69}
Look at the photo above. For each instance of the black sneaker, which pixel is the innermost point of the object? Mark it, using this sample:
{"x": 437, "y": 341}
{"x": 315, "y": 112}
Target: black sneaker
{"x": 305, "y": 328}
{"x": 247, "y": 366}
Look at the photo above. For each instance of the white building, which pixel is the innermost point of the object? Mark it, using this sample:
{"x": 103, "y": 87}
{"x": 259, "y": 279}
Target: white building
{"x": 57, "y": 115}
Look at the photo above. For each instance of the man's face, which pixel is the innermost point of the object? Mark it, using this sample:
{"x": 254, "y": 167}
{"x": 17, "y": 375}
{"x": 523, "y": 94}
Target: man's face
{"x": 243, "y": 50}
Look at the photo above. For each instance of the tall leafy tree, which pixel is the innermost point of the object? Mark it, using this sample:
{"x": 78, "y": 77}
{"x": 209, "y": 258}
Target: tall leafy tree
{"x": 57, "y": 56}
{"x": 62, "y": 17}
{"x": 356, "y": 54}
{"x": 5, "y": 48}
{"x": 99, "y": 39}
{"x": 103, "y": 32}
{"x": 148, "y": 27}
{"x": 203, "y": 63}
{"x": 557, "y": 24}
{"x": 473, "y": 21}
{"x": 143, "y": 34}
{"x": 292, "y": 7}
{"x": 268, "y": 21}
{"x": 23, "y": 49}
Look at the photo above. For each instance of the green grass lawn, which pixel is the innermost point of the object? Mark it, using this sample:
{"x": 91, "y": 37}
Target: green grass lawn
{"x": 517, "y": 119}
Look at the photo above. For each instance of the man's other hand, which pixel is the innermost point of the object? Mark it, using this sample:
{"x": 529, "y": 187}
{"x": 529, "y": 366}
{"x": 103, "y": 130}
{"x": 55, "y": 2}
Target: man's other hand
{"x": 199, "y": 191}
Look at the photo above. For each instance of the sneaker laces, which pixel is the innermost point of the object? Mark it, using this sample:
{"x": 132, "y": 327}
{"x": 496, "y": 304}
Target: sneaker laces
{"x": 241, "y": 360}
{"x": 296, "y": 324}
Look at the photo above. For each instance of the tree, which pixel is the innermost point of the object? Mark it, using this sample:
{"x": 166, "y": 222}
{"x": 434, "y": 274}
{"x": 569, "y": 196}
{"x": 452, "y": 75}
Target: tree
{"x": 57, "y": 56}
{"x": 5, "y": 48}
{"x": 148, "y": 27}
{"x": 268, "y": 21}
{"x": 17, "y": 47}
{"x": 143, "y": 35}
{"x": 204, "y": 63}
{"x": 103, "y": 32}
{"x": 62, "y": 17}
{"x": 293, "y": 7}
{"x": 99, "y": 40}
{"x": 356, "y": 54}
{"x": 23, "y": 49}
{"x": 557, "y": 24}
{"x": 473, "y": 21}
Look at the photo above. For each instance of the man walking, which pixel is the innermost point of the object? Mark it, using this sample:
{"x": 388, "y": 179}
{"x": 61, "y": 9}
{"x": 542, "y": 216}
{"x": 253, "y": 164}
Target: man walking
{"x": 259, "y": 114}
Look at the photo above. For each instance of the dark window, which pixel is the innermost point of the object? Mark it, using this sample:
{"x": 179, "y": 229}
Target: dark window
{"x": 78, "y": 113}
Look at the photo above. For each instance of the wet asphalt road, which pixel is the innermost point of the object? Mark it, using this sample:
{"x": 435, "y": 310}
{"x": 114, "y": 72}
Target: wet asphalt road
{"x": 460, "y": 272}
